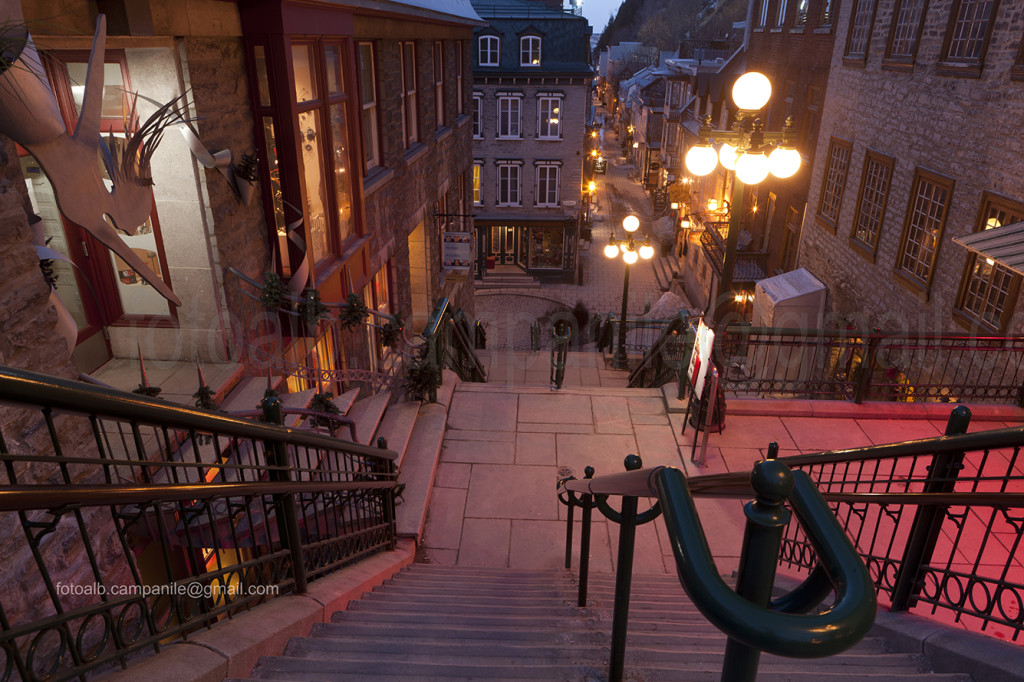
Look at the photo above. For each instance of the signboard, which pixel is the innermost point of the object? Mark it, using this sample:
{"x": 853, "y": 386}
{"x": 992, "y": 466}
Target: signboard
{"x": 697, "y": 369}
{"x": 457, "y": 251}
{"x": 600, "y": 167}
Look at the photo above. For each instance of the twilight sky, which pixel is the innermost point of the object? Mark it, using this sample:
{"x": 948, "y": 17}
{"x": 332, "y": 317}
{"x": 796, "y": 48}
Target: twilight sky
{"x": 598, "y": 11}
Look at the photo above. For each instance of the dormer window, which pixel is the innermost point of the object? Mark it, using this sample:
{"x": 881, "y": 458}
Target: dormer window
{"x": 489, "y": 50}
{"x": 529, "y": 51}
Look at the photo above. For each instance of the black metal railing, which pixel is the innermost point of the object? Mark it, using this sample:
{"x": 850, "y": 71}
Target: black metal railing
{"x": 939, "y": 522}
{"x": 561, "y": 336}
{"x": 641, "y": 334}
{"x": 665, "y": 360}
{"x": 752, "y": 622}
{"x": 449, "y": 345}
{"x": 129, "y": 522}
{"x": 846, "y": 365}
{"x": 312, "y": 343}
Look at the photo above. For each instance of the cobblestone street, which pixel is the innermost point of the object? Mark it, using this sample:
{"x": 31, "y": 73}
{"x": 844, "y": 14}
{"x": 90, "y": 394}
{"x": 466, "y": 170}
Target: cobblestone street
{"x": 507, "y": 313}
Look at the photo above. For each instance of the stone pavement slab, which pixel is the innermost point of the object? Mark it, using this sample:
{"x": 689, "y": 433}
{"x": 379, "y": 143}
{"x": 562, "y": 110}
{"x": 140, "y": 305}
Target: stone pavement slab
{"x": 483, "y": 411}
{"x": 611, "y": 414}
{"x": 555, "y": 408}
{"x": 485, "y": 542}
{"x": 479, "y": 451}
{"x": 512, "y": 492}
{"x": 535, "y": 448}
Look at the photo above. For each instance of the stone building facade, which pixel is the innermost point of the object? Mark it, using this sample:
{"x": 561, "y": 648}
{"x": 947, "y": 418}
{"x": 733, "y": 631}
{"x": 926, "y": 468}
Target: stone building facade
{"x": 916, "y": 149}
{"x": 531, "y": 102}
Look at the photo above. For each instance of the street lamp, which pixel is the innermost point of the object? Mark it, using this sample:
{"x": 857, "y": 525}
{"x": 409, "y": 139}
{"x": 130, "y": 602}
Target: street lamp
{"x": 751, "y": 153}
{"x": 631, "y": 248}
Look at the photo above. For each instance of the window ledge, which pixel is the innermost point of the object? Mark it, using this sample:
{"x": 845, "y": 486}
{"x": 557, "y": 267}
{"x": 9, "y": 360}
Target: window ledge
{"x": 462, "y": 119}
{"x": 798, "y": 29}
{"x": 958, "y": 70}
{"x": 897, "y": 65}
{"x": 912, "y": 284}
{"x": 777, "y": 29}
{"x": 415, "y": 152}
{"x": 823, "y": 30}
{"x": 1017, "y": 72}
{"x": 375, "y": 179}
{"x": 974, "y": 324}
{"x": 857, "y": 61}
{"x": 442, "y": 133}
{"x": 862, "y": 249}
{"x": 508, "y": 137}
{"x": 826, "y": 223}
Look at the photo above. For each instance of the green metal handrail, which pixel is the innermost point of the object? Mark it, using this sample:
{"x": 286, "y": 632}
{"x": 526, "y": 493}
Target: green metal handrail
{"x": 559, "y": 350}
{"x": 448, "y": 343}
{"x": 667, "y": 357}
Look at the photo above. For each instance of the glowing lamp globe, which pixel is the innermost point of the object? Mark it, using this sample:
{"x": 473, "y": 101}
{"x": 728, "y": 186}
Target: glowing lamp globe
{"x": 630, "y": 223}
{"x": 727, "y": 156}
{"x": 752, "y": 168}
{"x": 751, "y": 91}
{"x": 701, "y": 159}
{"x": 784, "y": 162}
{"x": 611, "y": 251}
{"x": 629, "y": 257}
{"x": 647, "y": 252}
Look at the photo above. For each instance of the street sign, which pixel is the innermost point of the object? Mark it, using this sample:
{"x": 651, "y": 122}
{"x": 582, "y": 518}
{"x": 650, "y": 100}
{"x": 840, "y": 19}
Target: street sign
{"x": 600, "y": 167}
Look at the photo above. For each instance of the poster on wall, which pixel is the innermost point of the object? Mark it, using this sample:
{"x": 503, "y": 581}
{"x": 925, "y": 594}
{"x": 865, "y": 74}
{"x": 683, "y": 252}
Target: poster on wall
{"x": 697, "y": 369}
{"x": 457, "y": 252}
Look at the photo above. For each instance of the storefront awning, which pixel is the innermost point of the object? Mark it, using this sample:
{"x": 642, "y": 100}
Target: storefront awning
{"x": 1004, "y": 245}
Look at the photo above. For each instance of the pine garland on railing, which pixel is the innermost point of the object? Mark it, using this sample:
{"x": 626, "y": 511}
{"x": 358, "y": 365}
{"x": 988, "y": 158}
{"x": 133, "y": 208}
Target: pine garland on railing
{"x": 273, "y": 292}
{"x": 391, "y": 331}
{"x": 422, "y": 378}
{"x": 311, "y": 308}
{"x": 353, "y": 312}
{"x": 322, "y": 402}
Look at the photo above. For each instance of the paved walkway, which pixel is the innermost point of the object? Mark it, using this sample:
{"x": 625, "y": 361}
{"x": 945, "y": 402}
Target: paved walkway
{"x": 493, "y": 502}
{"x": 507, "y": 313}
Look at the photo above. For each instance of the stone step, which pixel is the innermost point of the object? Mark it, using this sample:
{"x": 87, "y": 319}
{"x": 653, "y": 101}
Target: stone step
{"x": 396, "y": 425}
{"x": 300, "y": 400}
{"x": 419, "y": 465}
{"x": 344, "y": 401}
{"x": 565, "y": 390}
{"x": 367, "y": 414}
{"x": 247, "y": 394}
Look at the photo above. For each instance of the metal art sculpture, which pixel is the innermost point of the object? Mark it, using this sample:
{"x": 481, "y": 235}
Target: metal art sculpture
{"x": 29, "y": 115}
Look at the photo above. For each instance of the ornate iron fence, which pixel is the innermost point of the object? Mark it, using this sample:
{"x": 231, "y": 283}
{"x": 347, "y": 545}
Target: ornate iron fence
{"x": 315, "y": 344}
{"x": 939, "y": 522}
{"x": 128, "y": 522}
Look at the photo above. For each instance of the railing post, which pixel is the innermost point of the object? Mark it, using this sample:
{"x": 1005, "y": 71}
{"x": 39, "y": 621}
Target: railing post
{"x": 867, "y": 368}
{"x": 389, "y": 503}
{"x": 924, "y": 533}
{"x": 588, "y": 513}
{"x": 623, "y": 579}
{"x": 287, "y": 517}
{"x": 767, "y": 518}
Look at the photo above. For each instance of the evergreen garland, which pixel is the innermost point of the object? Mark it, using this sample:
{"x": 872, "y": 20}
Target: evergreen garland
{"x": 273, "y": 293}
{"x": 353, "y": 312}
{"x": 311, "y": 308}
{"x": 391, "y": 331}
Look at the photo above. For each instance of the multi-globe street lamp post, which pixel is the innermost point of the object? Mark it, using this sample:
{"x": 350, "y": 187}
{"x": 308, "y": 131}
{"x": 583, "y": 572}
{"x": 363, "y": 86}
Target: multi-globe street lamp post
{"x": 632, "y": 247}
{"x": 749, "y": 151}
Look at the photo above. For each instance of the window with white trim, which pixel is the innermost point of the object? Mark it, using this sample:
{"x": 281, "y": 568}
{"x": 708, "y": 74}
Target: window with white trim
{"x": 549, "y": 118}
{"x": 410, "y": 115}
{"x": 529, "y": 51}
{"x": 368, "y": 101}
{"x": 489, "y": 50}
{"x": 439, "y": 117}
{"x": 780, "y": 17}
{"x": 478, "y": 172}
{"x": 478, "y": 110}
{"x": 762, "y": 14}
{"x": 460, "y": 60}
{"x": 509, "y": 117}
{"x": 509, "y": 183}
{"x": 547, "y": 184}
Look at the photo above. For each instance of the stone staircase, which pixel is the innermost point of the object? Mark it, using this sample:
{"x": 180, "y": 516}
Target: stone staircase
{"x": 461, "y": 623}
{"x": 507, "y": 278}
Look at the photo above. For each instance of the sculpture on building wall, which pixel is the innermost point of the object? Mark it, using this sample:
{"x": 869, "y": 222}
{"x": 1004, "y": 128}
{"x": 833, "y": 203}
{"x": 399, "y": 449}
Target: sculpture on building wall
{"x": 29, "y": 115}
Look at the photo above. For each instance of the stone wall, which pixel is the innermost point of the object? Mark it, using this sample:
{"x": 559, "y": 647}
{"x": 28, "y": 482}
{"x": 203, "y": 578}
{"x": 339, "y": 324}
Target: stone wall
{"x": 957, "y": 127}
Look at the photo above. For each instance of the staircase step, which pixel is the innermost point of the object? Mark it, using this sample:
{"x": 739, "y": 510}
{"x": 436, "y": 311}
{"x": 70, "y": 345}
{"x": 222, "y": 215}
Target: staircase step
{"x": 367, "y": 414}
{"x": 396, "y": 425}
{"x": 344, "y": 401}
{"x": 300, "y": 400}
{"x": 247, "y": 394}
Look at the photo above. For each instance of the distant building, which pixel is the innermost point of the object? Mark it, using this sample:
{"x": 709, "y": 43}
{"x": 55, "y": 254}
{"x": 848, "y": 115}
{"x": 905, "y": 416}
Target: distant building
{"x": 531, "y": 102}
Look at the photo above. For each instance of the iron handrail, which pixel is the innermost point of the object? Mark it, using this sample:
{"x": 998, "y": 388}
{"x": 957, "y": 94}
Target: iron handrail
{"x": 785, "y": 634}
{"x": 447, "y": 343}
{"x": 31, "y": 388}
{"x": 655, "y": 368}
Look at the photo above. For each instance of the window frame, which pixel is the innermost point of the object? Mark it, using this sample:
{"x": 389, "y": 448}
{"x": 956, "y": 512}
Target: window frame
{"x": 407, "y": 95}
{"x": 827, "y": 15}
{"x": 478, "y": 116}
{"x": 969, "y": 66}
{"x": 901, "y": 23}
{"x": 509, "y": 134}
{"x": 478, "y": 182}
{"x": 971, "y": 319}
{"x": 503, "y": 196}
{"x": 831, "y": 187}
{"x": 371, "y": 149}
{"x": 437, "y": 63}
{"x": 801, "y": 14}
{"x": 780, "y": 14}
{"x": 550, "y": 183}
{"x": 530, "y": 61}
{"x": 911, "y": 279}
{"x": 544, "y": 127}
{"x": 494, "y": 50}
{"x": 762, "y": 14}
{"x": 878, "y": 195}
{"x": 858, "y": 36}
{"x": 460, "y": 75}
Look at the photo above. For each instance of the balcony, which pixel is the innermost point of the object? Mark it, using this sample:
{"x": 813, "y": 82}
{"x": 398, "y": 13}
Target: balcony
{"x": 751, "y": 266}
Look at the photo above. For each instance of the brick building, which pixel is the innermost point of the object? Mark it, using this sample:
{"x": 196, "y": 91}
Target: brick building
{"x": 531, "y": 102}
{"x": 915, "y": 149}
{"x": 359, "y": 121}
